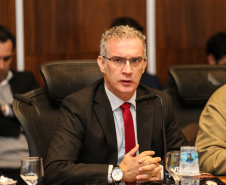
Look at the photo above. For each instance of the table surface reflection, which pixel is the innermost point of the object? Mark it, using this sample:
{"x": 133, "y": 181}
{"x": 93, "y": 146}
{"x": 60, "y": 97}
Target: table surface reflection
{"x": 222, "y": 178}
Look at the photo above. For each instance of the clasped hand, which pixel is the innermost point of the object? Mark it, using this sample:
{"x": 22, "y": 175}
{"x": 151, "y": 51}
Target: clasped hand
{"x": 141, "y": 168}
{"x": 3, "y": 110}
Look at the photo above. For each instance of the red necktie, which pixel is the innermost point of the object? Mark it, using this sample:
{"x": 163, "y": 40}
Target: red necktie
{"x": 128, "y": 127}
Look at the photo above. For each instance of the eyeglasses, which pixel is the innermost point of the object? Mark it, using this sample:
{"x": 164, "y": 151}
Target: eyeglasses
{"x": 5, "y": 59}
{"x": 118, "y": 62}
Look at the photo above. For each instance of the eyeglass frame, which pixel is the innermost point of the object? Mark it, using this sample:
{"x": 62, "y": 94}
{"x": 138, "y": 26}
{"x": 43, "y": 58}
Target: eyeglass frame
{"x": 120, "y": 64}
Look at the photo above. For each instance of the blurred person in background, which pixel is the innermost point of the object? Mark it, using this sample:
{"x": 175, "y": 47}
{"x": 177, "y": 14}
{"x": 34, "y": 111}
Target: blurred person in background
{"x": 216, "y": 49}
{"x": 13, "y": 144}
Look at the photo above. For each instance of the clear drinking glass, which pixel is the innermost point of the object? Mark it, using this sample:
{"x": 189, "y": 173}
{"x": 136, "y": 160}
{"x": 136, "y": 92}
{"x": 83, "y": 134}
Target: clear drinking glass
{"x": 173, "y": 165}
{"x": 189, "y": 163}
{"x": 31, "y": 170}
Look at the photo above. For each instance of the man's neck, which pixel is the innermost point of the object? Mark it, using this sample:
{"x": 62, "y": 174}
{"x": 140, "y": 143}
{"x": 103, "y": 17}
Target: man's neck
{"x": 6, "y": 79}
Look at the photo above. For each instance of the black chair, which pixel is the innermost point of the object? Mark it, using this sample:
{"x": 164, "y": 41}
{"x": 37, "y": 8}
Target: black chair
{"x": 192, "y": 87}
{"x": 37, "y": 110}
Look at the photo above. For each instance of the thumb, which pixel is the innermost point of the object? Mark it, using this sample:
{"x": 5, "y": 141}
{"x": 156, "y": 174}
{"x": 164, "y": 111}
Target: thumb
{"x": 133, "y": 151}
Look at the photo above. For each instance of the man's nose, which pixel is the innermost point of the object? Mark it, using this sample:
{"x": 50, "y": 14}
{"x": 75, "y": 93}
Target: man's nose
{"x": 1, "y": 63}
{"x": 127, "y": 67}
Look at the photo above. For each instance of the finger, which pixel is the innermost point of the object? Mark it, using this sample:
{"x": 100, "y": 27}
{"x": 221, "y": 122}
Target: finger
{"x": 150, "y": 176}
{"x": 147, "y": 153}
{"x": 148, "y": 168}
{"x": 142, "y": 156}
{"x": 146, "y": 178}
{"x": 133, "y": 151}
{"x": 149, "y": 160}
{"x": 3, "y": 109}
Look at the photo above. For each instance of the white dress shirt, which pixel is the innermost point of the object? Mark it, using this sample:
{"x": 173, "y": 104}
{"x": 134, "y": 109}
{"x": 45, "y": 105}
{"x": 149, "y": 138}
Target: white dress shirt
{"x": 6, "y": 95}
{"x": 119, "y": 124}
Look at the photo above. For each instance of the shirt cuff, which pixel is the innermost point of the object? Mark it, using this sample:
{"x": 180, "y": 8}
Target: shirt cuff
{"x": 162, "y": 173}
{"x": 110, "y": 167}
{"x": 9, "y": 111}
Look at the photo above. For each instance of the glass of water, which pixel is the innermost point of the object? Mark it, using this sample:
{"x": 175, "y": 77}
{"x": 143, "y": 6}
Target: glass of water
{"x": 173, "y": 165}
{"x": 31, "y": 170}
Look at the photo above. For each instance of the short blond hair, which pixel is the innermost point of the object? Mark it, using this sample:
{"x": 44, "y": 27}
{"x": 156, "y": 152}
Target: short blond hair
{"x": 121, "y": 32}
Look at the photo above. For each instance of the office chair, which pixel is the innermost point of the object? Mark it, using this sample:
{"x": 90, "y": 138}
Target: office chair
{"x": 37, "y": 110}
{"x": 192, "y": 87}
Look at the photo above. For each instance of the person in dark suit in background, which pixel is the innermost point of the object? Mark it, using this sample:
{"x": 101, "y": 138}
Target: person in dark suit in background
{"x": 216, "y": 49}
{"x": 13, "y": 144}
{"x": 146, "y": 78}
{"x": 90, "y": 141}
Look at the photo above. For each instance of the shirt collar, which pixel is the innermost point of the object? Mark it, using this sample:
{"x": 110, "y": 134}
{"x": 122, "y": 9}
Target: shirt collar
{"x": 8, "y": 78}
{"x": 117, "y": 102}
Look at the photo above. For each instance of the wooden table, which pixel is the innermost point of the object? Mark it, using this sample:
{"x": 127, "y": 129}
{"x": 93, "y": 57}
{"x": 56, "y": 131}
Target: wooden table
{"x": 222, "y": 178}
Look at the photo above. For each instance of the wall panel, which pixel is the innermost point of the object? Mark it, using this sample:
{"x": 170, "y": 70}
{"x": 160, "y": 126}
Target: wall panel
{"x": 182, "y": 28}
{"x": 69, "y": 29}
{"x": 7, "y": 18}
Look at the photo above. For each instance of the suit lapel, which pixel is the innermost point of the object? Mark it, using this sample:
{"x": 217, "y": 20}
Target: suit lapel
{"x": 144, "y": 125}
{"x": 103, "y": 110}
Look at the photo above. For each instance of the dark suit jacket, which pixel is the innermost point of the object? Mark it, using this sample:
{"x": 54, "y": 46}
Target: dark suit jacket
{"x": 85, "y": 140}
{"x": 21, "y": 82}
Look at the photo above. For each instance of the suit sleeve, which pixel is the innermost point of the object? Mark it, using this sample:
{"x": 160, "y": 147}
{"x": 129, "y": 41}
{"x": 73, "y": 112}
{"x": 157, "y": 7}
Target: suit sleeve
{"x": 211, "y": 140}
{"x": 64, "y": 164}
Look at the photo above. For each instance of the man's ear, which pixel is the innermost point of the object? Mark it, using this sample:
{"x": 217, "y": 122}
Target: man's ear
{"x": 211, "y": 60}
{"x": 145, "y": 65}
{"x": 101, "y": 63}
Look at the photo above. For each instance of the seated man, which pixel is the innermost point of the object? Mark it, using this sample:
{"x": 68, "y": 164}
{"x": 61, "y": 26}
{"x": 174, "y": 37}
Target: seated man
{"x": 211, "y": 140}
{"x": 104, "y": 135}
{"x": 13, "y": 144}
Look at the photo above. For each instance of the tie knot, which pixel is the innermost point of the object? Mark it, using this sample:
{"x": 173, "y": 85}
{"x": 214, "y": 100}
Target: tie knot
{"x": 125, "y": 105}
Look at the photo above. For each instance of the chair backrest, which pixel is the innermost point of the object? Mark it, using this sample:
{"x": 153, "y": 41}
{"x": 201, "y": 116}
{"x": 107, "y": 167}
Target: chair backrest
{"x": 193, "y": 86}
{"x": 37, "y": 110}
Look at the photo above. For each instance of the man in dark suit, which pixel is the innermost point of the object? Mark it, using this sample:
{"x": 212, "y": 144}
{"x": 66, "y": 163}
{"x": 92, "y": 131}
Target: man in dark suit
{"x": 90, "y": 143}
{"x": 13, "y": 145}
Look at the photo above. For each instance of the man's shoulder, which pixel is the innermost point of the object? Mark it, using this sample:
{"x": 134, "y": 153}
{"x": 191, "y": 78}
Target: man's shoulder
{"x": 23, "y": 77}
{"x": 23, "y": 82}
{"x": 22, "y": 73}
{"x": 89, "y": 91}
{"x": 219, "y": 97}
{"x": 220, "y": 91}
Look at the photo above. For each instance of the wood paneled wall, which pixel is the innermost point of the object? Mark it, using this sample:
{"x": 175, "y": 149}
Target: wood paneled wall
{"x": 182, "y": 29}
{"x": 7, "y": 18}
{"x": 71, "y": 29}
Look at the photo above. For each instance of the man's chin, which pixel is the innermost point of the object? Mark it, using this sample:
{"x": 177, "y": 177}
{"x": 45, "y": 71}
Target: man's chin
{"x": 128, "y": 91}
{"x": 1, "y": 78}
